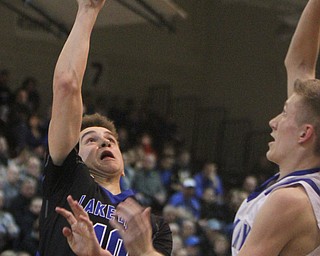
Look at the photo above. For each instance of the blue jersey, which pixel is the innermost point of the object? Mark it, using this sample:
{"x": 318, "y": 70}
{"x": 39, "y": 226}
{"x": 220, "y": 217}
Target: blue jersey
{"x": 309, "y": 179}
{"x": 73, "y": 178}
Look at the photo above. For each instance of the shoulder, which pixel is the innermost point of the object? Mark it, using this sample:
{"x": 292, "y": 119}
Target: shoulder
{"x": 279, "y": 221}
{"x": 284, "y": 207}
{"x": 294, "y": 197}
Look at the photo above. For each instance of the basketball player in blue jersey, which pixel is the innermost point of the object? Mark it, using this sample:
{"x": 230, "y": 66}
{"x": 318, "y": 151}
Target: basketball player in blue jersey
{"x": 282, "y": 217}
{"x": 91, "y": 174}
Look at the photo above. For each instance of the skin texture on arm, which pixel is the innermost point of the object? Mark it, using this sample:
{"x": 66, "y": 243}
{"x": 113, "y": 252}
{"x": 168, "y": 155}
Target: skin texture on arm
{"x": 67, "y": 107}
{"x": 136, "y": 236}
{"x": 285, "y": 226}
{"x": 303, "y": 51}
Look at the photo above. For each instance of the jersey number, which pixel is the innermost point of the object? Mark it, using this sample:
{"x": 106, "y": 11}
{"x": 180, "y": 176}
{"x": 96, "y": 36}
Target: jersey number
{"x": 115, "y": 244}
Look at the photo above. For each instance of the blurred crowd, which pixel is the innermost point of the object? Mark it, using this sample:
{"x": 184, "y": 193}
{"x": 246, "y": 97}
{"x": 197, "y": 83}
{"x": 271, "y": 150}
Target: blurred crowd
{"x": 158, "y": 167}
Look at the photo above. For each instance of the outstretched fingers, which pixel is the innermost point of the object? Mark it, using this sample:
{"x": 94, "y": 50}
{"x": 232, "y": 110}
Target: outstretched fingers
{"x": 67, "y": 215}
{"x": 76, "y": 208}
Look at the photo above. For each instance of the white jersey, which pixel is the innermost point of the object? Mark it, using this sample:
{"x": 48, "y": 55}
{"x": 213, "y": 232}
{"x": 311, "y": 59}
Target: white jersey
{"x": 309, "y": 179}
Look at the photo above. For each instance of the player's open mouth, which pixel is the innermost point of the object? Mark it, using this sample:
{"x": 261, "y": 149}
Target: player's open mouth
{"x": 106, "y": 154}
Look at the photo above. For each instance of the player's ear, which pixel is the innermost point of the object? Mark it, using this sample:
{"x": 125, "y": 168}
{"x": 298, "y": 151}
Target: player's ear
{"x": 306, "y": 133}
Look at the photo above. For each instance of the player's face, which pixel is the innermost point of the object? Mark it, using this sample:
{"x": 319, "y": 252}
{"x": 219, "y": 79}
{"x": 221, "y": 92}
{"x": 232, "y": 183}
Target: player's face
{"x": 285, "y": 132}
{"x": 100, "y": 151}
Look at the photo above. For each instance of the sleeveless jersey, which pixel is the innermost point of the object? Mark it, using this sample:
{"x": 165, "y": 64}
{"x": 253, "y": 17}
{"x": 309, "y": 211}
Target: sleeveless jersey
{"x": 73, "y": 178}
{"x": 309, "y": 179}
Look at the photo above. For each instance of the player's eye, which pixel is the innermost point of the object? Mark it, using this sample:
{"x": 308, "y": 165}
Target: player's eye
{"x": 90, "y": 140}
{"x": 112, "y": 140}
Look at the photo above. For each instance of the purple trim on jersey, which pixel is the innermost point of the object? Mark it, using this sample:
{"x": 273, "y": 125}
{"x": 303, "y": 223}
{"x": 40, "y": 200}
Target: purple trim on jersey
{"x": 264, "y": 186}
{"x": 116, "y": 199}
{"x": 304, "y": 172}
{"x": 309, "y": 181}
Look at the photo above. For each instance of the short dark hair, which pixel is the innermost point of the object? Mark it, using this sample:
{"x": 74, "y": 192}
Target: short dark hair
{"x": 100, "y": 121}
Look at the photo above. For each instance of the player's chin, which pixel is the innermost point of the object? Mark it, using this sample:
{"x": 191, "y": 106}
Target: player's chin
{"x": 269, "y": 155}
{"x": 113, "y": 168}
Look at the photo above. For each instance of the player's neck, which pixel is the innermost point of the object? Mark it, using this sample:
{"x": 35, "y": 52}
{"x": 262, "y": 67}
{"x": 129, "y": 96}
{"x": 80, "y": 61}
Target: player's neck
{"x": 305, "y": 164}
{"x": 113, "y": 188}
{"x": 112, "y": 185}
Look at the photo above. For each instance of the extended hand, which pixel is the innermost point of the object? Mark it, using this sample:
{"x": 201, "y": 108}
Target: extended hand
{"x": 81, "y": 236}
{"x": 137, "y": 233}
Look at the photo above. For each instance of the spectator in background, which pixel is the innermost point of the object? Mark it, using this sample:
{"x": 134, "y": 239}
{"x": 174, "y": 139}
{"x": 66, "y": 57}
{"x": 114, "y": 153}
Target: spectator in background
{"x": 30, "y": 242}
{"x": 221, "y": 245}
{"x": 124, "y": 142}
{"x": 188, "y": 229}
{"x": 175, "y": 228}
{"x": 21, "y": 159}
{"x": 29, "y": 218}
{"x": 209, "y": 178}
{"x": 211, "y": 208}
{"x": 165, "y": 169}
{"x": 32, "y": 167}
{"x": 168, "y": 149}
{"x": 177, "y": 244}
{"x": 36, "y": 137}
{"x": 20, "y": 203}
{"x": 250, "y": 183}
{"x": 181, "y": 252}
{"x": 9, "y": 230}
{"x": 171, "y": 214}
{"x": 146, "y": 142}
{"x": 30, "y": 86}
{"x": 187, "y": 199}
{"x": 147, "y": 184}
{"x": 182, "y": 170}
{"x": 6, "y": 95}
{"x": 18, "y": 120}
{"x": 11, "y": 184}
{"x": 193, "y": 246}
{"x": 234, "y": 199}
{"x": 4, "y": 151}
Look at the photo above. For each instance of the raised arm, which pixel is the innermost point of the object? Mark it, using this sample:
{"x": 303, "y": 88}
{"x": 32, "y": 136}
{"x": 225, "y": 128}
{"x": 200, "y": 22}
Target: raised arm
{"x": 303, "y": 51}
{"x": 67, "y": 106}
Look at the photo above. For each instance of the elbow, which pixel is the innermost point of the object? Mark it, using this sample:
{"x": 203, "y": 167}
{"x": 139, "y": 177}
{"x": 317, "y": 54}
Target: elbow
{"x": 299, "y": 67}
{"x": 65, "y": 83}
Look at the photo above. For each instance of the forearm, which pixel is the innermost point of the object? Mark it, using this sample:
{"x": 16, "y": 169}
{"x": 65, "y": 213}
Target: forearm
{"x": 73, "y": 57}
{"x": 303, "y": 51}
{"x": 67, "y": 82}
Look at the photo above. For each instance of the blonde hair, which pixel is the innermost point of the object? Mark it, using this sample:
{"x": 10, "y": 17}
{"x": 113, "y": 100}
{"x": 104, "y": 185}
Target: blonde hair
{"x": 309, "y": 90}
